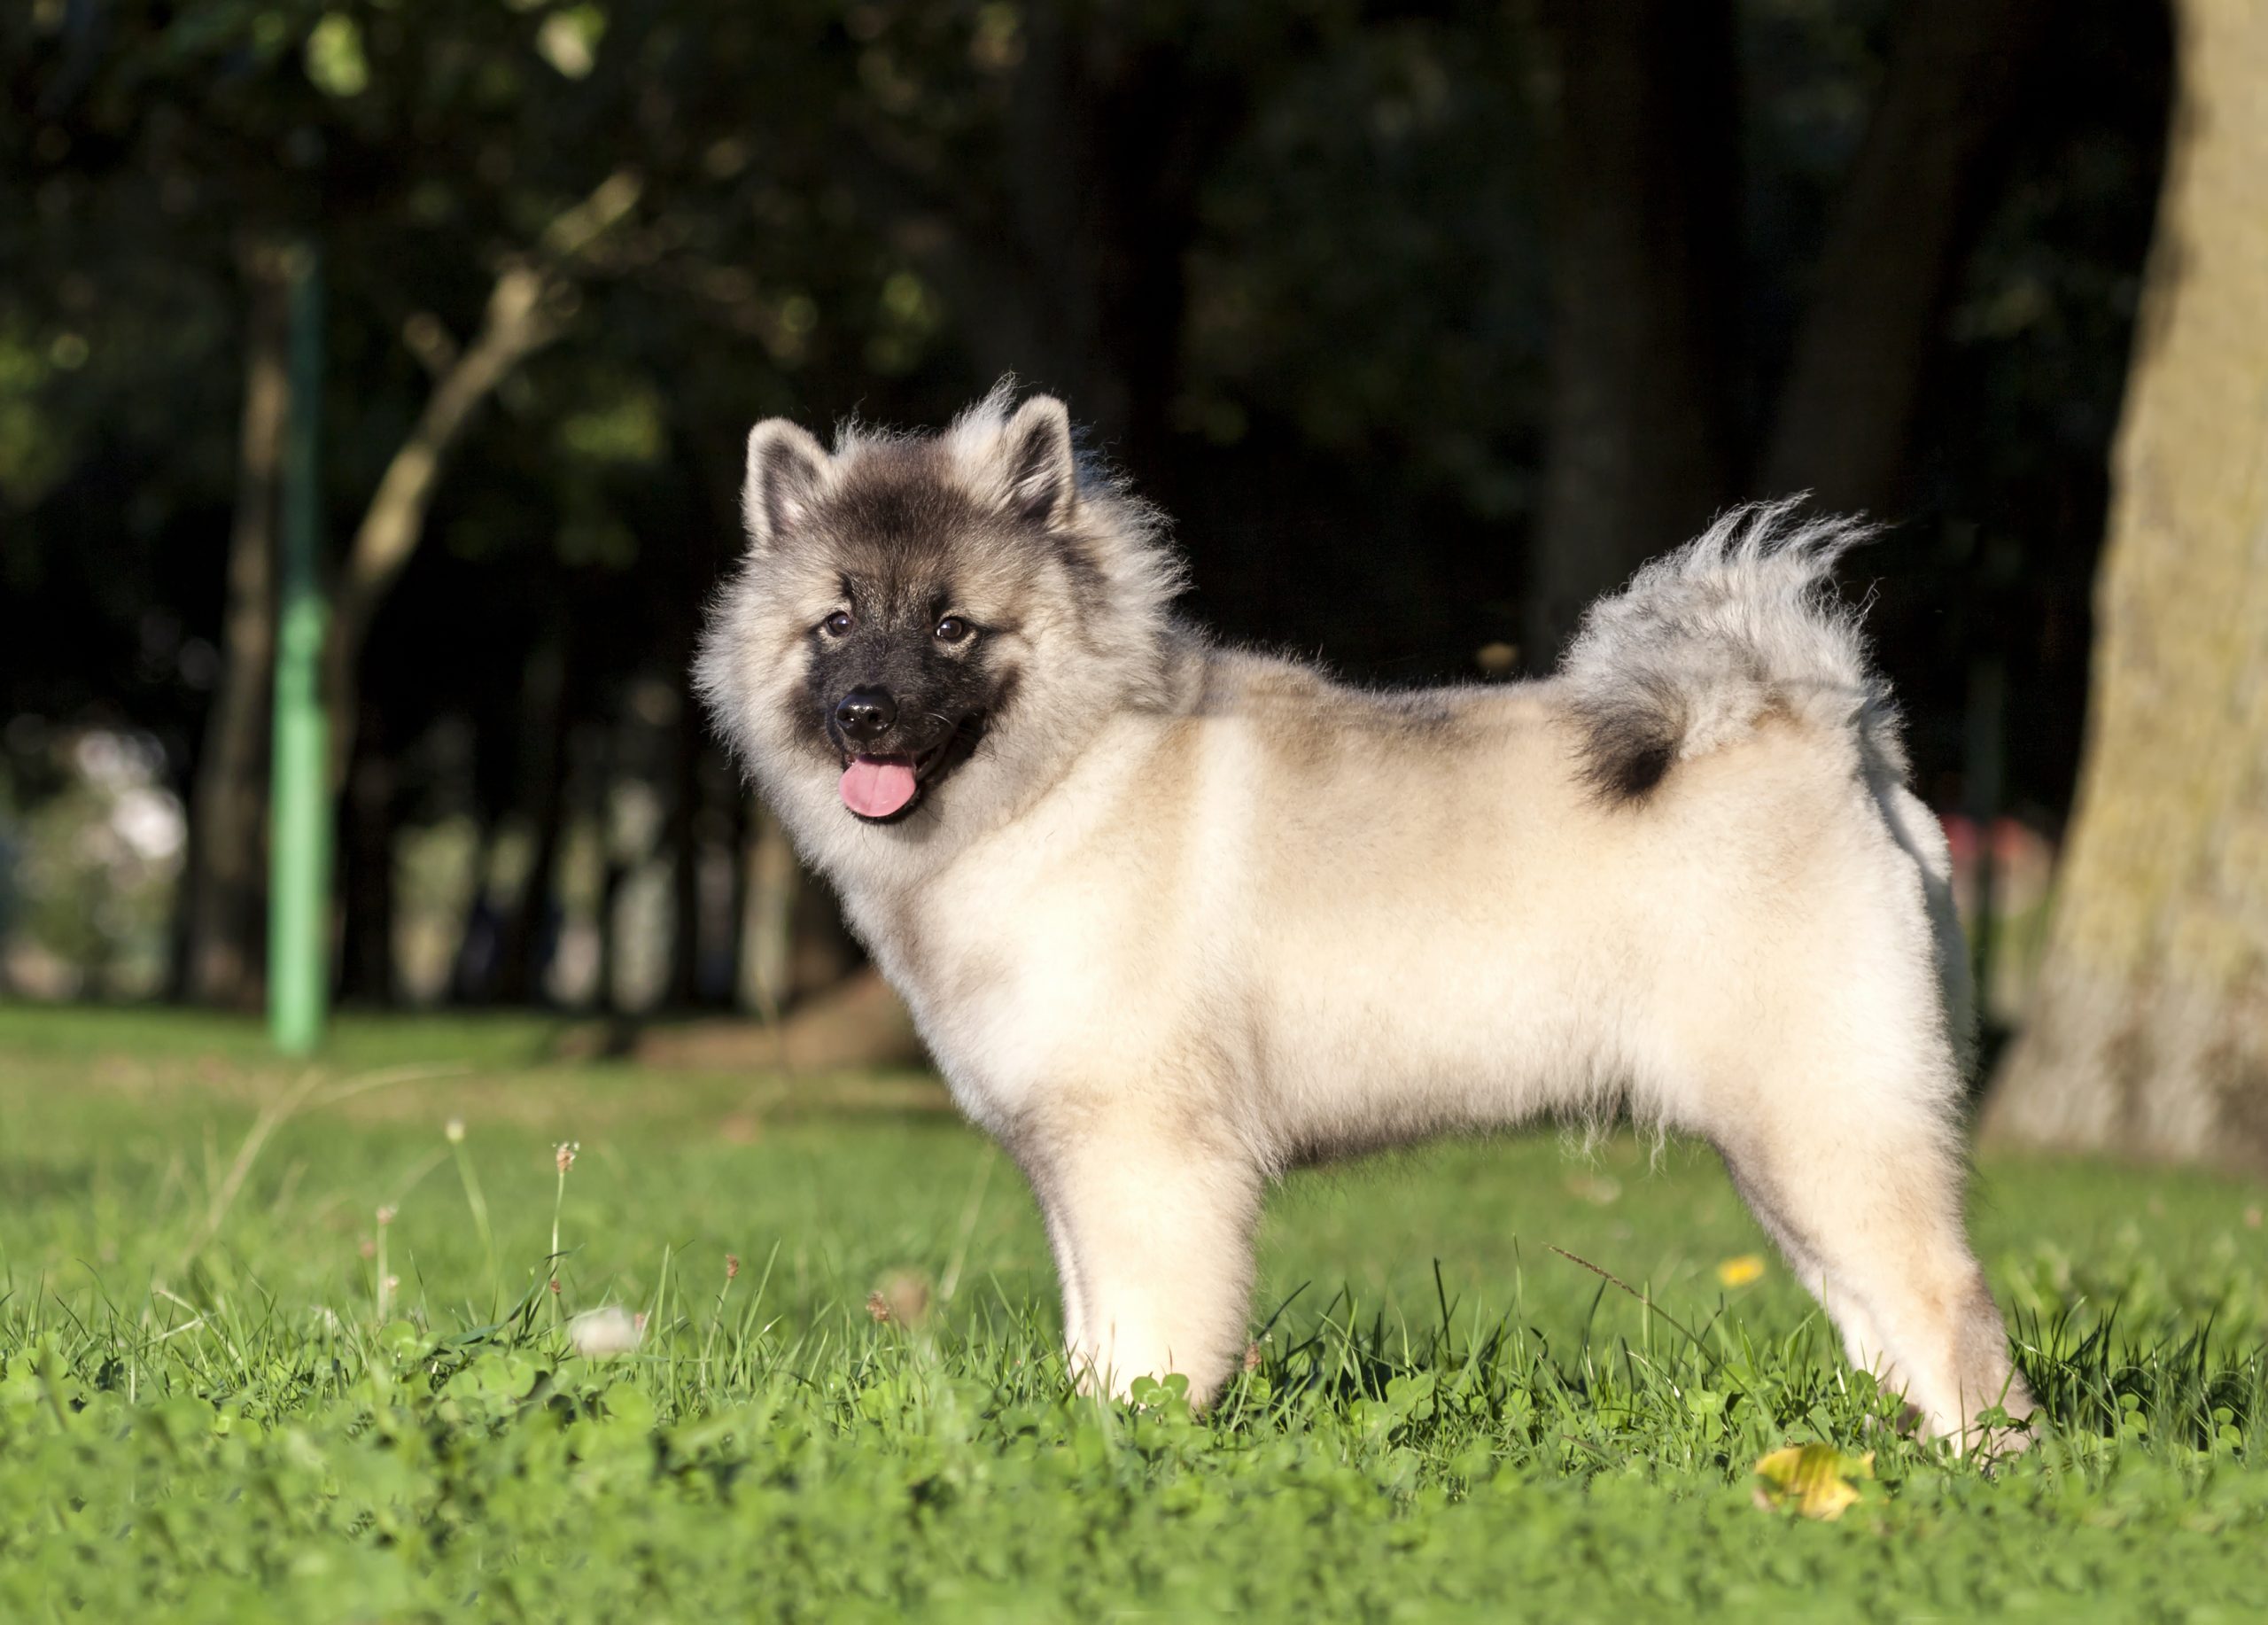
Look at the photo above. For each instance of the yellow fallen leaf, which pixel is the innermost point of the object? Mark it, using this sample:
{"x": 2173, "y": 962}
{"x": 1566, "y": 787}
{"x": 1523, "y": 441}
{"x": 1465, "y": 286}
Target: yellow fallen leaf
{"x": 1814, "y": 1478}
{"x": 1741, "y": 1271}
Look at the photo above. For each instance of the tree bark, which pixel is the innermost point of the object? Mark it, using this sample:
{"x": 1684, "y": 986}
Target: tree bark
{"x": 1636, "y": 104}
{"x": 1908, "y": 212}
{"x": 228, "y": 802}
{"x": 2149, "y": 1033}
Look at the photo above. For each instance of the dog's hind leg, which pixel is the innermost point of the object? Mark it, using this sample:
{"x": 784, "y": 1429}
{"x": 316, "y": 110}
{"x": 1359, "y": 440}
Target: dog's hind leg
{"x": 1862, "y": 1341}
{"x": 1153, "y": 1237}
{"x": 1845, "y": 1144}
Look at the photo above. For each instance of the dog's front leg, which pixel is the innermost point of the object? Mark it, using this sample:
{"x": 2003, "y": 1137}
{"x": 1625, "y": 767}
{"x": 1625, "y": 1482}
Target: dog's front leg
{"x": 1153, "y": 1235}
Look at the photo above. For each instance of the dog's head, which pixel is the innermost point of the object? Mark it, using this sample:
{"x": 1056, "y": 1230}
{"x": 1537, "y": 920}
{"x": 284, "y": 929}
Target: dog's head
{"x": 917, "y": 611}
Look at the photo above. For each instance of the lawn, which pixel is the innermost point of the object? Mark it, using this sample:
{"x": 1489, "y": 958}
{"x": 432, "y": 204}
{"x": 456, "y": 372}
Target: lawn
{"x": 280, "y": 1342}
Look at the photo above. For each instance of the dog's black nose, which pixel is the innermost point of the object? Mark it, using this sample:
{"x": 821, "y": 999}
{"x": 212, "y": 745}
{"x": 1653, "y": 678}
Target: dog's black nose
{"x": 865, "y": 714}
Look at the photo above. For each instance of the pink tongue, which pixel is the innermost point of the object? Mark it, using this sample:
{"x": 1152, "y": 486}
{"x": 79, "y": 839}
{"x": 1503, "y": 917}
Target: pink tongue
{"x": 875, "y": 787}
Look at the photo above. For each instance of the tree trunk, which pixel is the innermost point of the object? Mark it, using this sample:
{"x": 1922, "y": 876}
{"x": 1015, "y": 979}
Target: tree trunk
{"x": 607, "y": 758}
{"x": 2150, "y": 1030}
{"x": 1908, "y": 214}
{"x": 523, "y": 940}
{"x": 228, "y": 802}
{"x": 1635, "y": 102}
{"x": 682, "y": 837}
{"x": 472, "y": 967}
{"x": 366, "y": 956}
{"x": 741, "y": 836}
{"x": 768, "y": 914}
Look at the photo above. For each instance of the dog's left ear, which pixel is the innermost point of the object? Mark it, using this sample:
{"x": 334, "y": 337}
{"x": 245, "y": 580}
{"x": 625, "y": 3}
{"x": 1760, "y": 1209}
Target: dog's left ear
{"x": 1035, "y": 450}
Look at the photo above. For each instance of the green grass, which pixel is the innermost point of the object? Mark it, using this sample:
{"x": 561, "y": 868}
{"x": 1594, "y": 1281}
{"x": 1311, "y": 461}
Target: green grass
{"x": 211, "y": 1407}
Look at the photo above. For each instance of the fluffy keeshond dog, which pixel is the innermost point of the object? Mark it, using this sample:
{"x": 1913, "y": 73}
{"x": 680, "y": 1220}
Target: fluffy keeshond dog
{"x": 1175, "y": 917}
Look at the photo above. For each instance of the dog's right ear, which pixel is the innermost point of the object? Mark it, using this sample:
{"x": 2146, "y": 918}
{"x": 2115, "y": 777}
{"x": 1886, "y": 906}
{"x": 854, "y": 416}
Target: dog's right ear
{"x": 786, "y": 469}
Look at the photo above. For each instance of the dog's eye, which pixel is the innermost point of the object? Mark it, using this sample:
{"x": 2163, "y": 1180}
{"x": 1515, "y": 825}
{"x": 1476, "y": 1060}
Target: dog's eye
{"x": 952, "y": 629}
{"x": 838, "y": 625}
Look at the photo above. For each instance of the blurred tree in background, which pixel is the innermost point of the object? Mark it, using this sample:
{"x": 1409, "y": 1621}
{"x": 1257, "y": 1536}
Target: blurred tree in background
{"x": 2150, "y": 1031}
{"x": 1425, "y": 321}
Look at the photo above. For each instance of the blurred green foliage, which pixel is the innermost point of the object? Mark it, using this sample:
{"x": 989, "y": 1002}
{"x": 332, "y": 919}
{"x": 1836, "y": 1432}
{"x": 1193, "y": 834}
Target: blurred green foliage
{"x": 1289, "y": 261}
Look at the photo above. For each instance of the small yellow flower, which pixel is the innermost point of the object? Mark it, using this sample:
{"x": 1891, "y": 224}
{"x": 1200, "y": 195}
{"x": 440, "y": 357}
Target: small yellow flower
{"x": 1741, "y": 1271}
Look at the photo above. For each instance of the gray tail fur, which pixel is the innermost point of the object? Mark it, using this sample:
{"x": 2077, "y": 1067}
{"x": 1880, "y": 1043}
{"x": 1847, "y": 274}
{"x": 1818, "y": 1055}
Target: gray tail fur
{"x": 1740, "y": 622}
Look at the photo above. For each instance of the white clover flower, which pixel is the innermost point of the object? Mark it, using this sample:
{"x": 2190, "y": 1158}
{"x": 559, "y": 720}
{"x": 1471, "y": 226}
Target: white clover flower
{"x": 597, "y": 1333}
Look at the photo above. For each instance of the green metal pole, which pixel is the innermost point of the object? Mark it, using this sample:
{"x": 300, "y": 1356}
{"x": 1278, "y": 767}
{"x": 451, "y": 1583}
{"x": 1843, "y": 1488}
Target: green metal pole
{"x": 298, "y": 891}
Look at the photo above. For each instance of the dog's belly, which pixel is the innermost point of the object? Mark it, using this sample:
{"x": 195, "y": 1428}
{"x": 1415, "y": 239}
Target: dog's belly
{"x": 1414, "y": 1036}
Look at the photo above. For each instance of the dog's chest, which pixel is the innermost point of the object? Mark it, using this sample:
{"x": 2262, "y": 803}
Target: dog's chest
{"x": 1018, "y": 976}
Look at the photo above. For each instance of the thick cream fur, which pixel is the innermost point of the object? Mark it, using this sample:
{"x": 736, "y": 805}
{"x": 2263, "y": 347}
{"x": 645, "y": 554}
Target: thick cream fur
{"x": 1193, "y": 917}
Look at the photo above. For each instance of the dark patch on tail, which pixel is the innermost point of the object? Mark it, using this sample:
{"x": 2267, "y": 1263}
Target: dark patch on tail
{"x": 1627, "y": 757}
{"x": 1629, "y": 749}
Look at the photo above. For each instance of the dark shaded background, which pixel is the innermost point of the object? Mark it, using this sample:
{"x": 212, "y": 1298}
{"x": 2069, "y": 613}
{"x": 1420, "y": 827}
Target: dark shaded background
{"x": 1423, "y": 322}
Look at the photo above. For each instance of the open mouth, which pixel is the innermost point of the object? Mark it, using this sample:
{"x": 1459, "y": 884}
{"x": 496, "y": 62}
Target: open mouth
{"x": 882, "y": 788}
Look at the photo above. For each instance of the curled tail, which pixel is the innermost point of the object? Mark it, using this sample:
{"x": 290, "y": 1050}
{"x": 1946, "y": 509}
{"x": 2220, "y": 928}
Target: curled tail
{"x": 1705, "y": 641}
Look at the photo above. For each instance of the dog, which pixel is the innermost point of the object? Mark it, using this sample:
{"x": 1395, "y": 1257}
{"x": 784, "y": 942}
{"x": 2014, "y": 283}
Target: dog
{"x": 1175, "y": 918}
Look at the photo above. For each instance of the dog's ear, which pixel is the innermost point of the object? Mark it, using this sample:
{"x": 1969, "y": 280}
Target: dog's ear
{"x": 785, "y": 468}
{"x": 1042, "y": 475}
